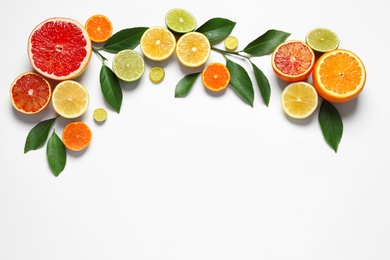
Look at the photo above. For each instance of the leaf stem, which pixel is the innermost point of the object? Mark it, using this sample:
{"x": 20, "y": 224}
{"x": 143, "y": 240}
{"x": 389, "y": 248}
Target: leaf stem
{"x": 224, "y": 53}
{"x": 99, "y": 54}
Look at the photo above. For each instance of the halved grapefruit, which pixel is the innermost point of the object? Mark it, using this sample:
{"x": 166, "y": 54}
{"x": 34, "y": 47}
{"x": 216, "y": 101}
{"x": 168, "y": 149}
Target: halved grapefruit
{"x": 59, "y": 48}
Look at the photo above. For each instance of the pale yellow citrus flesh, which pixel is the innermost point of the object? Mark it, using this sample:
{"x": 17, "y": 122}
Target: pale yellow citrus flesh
{"x": 299, "y": 100}
{"x": 193, "y": 49}
{"x": 158, "y": 43}
{"x": 128, "y": 65}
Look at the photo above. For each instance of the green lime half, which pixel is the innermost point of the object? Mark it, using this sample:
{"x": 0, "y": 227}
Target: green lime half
{"x": 180, "y": 20}
{"x": 322, "y": 40}
{"x": 231, "y": 43}
{"x": 128, "y": 65}
{"x": 100, "y": 114}
{"x": 156, "y": 74}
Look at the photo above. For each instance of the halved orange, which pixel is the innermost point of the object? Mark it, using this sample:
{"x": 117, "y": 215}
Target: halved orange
{"x": 216, "y": 77}
{"x": 339, "y": 75}
{"x": 158, "y": 43}
{"x": 76, "y": 136}
{"x": 293, "y": 61}
{"x": 99, "y": 28}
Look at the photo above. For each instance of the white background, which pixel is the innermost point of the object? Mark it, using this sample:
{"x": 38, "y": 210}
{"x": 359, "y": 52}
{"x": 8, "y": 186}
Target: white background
{"x": 205, "y": 176}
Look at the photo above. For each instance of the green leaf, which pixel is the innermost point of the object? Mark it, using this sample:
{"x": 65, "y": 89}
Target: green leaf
{"x": 125, "y": 39}
{"x": 331, "y": 124}
{"x": 185, "y": 84}
{"x": 240, "y": 81}
{"x": 37, "y": 136}
{"x": 217, "y": 29}
{"x": 111, "y": 88}
{"x": 56, "y": 154}
{"x": 266, "y": 43}
{"x": 263, "y": 84}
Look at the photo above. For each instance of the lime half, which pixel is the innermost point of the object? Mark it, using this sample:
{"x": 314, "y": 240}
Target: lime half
{"x": 156, "y": 74}
{"x": 180, "y": 20}
{"x": 100, "y": 114}
{"x": 128, "y": 65}
{"x": 231, "y": 43}
{"x": 322, "y": 40}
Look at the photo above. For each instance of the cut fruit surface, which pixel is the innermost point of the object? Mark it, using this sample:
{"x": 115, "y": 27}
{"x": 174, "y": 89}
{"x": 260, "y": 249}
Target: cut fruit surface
{"x": 76, "y": 136}
{"x": 322, "y": 40}
{"x": 30, "y": 93}
{"x": 70, "y": 99}
{"x": 293, "y": 61}
{"x": 180, "y": 20}
{"x": 339, "y": 76}
{"x": 59, "y": 48}
{"x": 99, "y": 28}
{"x": 299, "y": 100}
{"x": 156, "y": 74}
{"x": 158, "y": 43}
{"x": 193, "y": 49}
{"x": 100, "y": 114}
{"x": 128, "y": 65}
{"x": 231, "y": 43}
{"x": 216, "y": 77}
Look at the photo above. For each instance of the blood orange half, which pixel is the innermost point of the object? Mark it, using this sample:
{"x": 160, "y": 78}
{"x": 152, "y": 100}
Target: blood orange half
{"x": 59, "y": 48}
{"x": 30, "y": 93}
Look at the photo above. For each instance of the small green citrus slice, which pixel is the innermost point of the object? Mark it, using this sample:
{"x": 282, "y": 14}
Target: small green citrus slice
{"x": 231, "y": 43}
{"x": 322, "y": 40}
{"x": 100, "y": 114}
{"x": 180, "y": 20}
{"x": 128, "y": 65}
{"x": 156, "y": 74}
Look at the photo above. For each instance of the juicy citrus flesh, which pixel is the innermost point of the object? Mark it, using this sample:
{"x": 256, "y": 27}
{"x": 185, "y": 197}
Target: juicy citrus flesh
{"x": 128, "y": 65}
{"x": 76, "y": 136}
{"x": 299, "y": 100}
{"x": 30, "y": 93}
{"x": 193, "y": 49}
{"x": 99, "y": 28}
{"x": 100, "y": 114}
{"x": 339, "y": 76}
{"x": 293, "y": 61}
{"x": 158, "y": 43}
{"x": 59, "y": 48}
{"x": 216, "y": 77}
{"x": 70, "y": 99}
{"x": 180, "y": 20}
{"x": 231, "y": 43}
{"x": 156, "y": 74}
{"x": 322, "y": 40}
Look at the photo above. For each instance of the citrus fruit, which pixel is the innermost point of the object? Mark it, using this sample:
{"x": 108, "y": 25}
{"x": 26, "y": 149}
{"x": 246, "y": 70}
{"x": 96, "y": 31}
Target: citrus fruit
{"x": 99, "y": 28}
{"x": 215, "y": 76}
{"x": 100, "y": 114}
{"x": 293, "y": 61}
{"x": 59, "y": 48}
{"x": 193, "y": 49}
{"x": 158, "y": 43}
{"x": 322, "y": 40}
{"x": 180, "y": 20}
{"x": 76, "y": 136}
{"x": 231, "y": 43}
{"x": 156, "y": 74}
{"x": 339, "y": 75}
{"x": 128, "y": 65}
{"x": 70, "y": 99}
{"x": 30, "y": 93}
{"x": 299, "y": 100}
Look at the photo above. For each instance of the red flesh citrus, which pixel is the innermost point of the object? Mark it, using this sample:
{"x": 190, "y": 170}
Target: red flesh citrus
{"x": 59, "y": 48}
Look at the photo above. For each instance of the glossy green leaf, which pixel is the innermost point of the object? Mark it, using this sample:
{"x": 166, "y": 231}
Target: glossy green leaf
{"x": 56, "y": 154}
{"x": 240, "y": 81}
{"x": 266, "y": 43}
{"x": 125, "y": 39}
{"x": 262, "y": 83}
{"x": 331, "y": 124}
{"x": 217, "y": 29}
{"x": 37, "y": 136}
{"x": 185, "y": 84}
{"x": 111, "y": 88}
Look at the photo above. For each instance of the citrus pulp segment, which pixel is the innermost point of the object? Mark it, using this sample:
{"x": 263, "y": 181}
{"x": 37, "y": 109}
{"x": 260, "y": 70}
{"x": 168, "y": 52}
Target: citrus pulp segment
{"x": 30, "y": 93}
{"x": 70, "y": 99}
{"x": 299, "y": 100}
{"x": 193, "y": 49}
{"x": 128, "y": 65}
{"x": 99, "y": 28}
{"x": 59, "y": 48}
{"x": 231, "y": 43}
{"x": 76, "y": 136}
{"x": 158, "y": 43}
{"x": 322, "y": 40}
{"x": 156, "y": 74}
{"x": 339, "y": 75}
{"x": 180, "y": 20}
{"x": 216, "y": 77}
{"x": 293, "y": 61}
{"x": 100, "y": 114}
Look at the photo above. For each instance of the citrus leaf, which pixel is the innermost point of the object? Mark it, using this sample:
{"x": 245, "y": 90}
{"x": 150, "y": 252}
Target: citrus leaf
{"x": 56, "y": 154}
{"x": 217, "y": 29}
{"x": 240, "y": 81}
{"x": 125, "y": 39}
{"x": 111, "y": 88}
{"x": 185, "y": 84}
{"x": 263, "y": 84}
{"x": 266, "y": 43}
{"x": 37, "y": 136}
{"x": 331, "y": 124}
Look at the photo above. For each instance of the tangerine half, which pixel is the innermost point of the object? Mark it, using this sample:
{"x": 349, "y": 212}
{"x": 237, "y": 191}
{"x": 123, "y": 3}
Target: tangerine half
{"x": 99, "y": 28}
{"x": 76, "y": 136}
{"x": 216, "y": 77}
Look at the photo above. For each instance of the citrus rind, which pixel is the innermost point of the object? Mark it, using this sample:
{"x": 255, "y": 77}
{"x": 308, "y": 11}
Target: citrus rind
{"x": 180, "y": 20}
{"x": 322, "y": 40}
{"x": 299, "y": 100}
